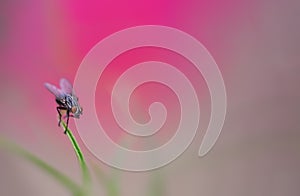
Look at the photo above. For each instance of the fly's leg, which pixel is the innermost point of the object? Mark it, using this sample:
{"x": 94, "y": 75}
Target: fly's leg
{"x": 58, "y": 111}
{"x": 68, "y": 117}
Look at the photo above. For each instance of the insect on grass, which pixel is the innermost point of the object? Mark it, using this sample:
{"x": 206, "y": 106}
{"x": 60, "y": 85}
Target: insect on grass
{"x": 67, "y": 101}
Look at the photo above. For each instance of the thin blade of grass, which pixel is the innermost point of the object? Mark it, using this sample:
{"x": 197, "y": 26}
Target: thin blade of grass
{"x": 112, "y": 186}
{"x": 110, "y": 183}
{"x": 57, "y": 175}
{"x": 156, "y": 185}
{"x": 86, "y": 179}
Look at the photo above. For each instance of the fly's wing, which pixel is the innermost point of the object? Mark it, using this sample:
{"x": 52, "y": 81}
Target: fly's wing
{"x": 66, "y": 86}
{"x": 55, "y": 91}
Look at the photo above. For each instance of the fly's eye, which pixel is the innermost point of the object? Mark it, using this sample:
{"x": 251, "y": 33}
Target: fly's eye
{"x": 74, "y": 109}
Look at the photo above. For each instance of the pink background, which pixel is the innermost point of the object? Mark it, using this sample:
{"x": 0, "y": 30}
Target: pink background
{"x": 255, "y": 43}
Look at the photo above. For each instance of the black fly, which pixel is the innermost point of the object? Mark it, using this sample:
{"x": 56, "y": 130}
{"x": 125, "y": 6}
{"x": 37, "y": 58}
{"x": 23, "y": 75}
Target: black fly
{"x": 66, "y": 100}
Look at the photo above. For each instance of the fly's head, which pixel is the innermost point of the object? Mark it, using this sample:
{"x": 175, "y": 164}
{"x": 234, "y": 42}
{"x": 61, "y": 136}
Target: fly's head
{"x": 75, "y": 107}
{"x": 77, "y": 111}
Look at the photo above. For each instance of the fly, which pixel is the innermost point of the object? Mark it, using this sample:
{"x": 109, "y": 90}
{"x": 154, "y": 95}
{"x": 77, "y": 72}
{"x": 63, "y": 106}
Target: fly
{"x": 66, "y": 100}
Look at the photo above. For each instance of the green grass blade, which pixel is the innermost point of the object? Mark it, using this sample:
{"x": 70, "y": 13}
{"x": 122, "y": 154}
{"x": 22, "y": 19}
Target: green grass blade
{"x": 112, "y": 187}
{"x": 57, "y": 175}
{"x": 86, "y": 179}
{"x": 110, "y": 183}
{"x": 156, "y": 186}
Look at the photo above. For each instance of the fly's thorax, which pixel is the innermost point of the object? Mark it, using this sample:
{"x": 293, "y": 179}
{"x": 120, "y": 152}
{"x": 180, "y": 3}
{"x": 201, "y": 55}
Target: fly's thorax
{"x": 69, "y": 101}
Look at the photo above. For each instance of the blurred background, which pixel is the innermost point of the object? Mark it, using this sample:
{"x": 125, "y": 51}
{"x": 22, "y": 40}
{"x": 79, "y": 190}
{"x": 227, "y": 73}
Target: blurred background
{"x": 256, "y": 45}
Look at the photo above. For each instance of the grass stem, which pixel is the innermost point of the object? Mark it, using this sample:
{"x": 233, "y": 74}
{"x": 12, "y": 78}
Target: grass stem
{"x": 86, "y": 179}
{"x": 57, "y": 175}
